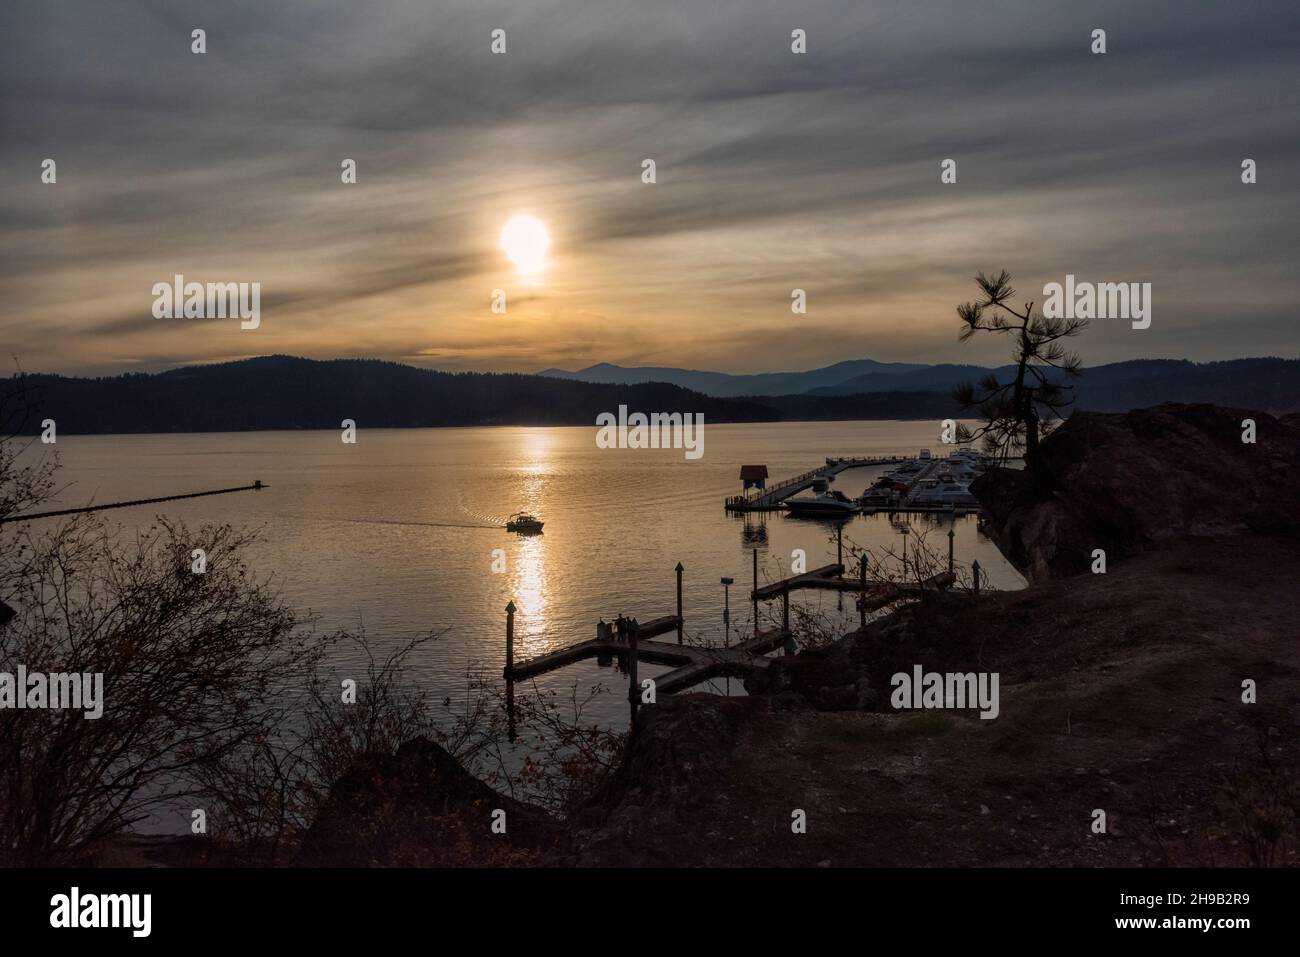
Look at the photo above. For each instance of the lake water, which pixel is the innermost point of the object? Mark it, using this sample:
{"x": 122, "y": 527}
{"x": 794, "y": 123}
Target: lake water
{"x": 397, "y": 533}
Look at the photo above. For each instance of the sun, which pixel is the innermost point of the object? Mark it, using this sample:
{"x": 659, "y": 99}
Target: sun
{"x": 525, "y": 240}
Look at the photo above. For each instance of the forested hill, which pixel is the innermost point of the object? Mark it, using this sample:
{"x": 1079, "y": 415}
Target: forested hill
{"x": 283, "y": 392}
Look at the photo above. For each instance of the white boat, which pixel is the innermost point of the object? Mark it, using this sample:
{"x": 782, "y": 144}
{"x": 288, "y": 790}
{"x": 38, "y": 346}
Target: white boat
{"x": 934, "y": 492}
{"x": 824, "y": 505}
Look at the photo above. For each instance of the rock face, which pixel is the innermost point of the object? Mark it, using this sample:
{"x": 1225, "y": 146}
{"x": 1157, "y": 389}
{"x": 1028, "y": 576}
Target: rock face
{"x": 1126, "y": 482}
{"x": 419, "y": 807}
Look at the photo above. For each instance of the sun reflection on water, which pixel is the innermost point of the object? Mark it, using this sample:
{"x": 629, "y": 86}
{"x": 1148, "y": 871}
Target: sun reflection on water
{"x": 535, "y": 450}
{"x": 529, "y": 587}
{"x": 529, "y": 583}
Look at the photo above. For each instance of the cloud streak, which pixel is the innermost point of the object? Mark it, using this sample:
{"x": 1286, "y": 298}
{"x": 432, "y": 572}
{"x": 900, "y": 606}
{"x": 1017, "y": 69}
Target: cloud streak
{"x": 776, "y": 171}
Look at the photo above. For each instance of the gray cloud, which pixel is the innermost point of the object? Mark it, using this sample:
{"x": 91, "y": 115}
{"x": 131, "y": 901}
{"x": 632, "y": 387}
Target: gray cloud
{"x": 775, "y": 171}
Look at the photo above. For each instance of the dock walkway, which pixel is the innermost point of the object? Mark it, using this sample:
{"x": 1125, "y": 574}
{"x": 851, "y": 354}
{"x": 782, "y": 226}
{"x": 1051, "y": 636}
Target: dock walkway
{"x": 772, "y": 499}
{"x": 691, "y": 664}
{"x": 827, "y": 578}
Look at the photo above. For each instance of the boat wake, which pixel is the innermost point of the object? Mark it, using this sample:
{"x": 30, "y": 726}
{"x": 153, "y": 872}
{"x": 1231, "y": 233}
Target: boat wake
{"x": 386, "y": 521}
{"x": 488, "y": 521}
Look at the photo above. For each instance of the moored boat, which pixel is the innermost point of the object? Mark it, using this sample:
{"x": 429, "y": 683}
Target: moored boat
{"x": 824, "y": 505}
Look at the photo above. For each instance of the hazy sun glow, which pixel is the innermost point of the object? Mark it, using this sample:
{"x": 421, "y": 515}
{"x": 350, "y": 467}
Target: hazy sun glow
{"x": 525, "y": 240}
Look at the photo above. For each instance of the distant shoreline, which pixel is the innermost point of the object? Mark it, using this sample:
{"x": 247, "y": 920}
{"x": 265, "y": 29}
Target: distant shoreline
{"x": 284, "y": 393}
{"x": 493, "y": 425}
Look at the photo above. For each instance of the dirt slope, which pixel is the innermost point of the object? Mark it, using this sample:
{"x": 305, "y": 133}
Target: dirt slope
{"x": 1120, "y": 692}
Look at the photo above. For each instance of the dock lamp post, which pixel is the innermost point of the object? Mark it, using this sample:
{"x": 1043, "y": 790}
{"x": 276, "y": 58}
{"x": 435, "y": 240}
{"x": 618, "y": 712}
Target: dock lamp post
{"x": 726, "y": 609}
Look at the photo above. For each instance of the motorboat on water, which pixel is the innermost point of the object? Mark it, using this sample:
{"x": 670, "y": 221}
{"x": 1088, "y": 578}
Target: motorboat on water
{"x": 823, "y": 505}
{"x": 524, "y": 523}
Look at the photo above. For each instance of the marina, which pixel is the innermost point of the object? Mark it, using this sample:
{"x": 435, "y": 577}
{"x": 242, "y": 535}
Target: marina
{"x": 920, "y": 484}
{"x": 773, "y": 499}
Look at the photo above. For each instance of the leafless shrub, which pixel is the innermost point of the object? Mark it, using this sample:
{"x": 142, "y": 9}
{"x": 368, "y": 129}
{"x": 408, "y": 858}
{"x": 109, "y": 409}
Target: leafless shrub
{"x": 193, "y": 666}
{"x": 566, "y": 756}
{"x": 217, "y": 696}
{"x": 267, "y": 791}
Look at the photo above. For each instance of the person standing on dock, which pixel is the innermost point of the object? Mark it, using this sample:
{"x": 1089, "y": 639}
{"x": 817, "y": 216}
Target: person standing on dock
{"x": 602, "y": 630}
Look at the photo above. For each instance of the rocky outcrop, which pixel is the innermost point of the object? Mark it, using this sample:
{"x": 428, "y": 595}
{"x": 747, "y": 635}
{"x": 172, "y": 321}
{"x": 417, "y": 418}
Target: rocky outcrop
{"x": 1126, "y": 482}
{"x": 419, "y": 807}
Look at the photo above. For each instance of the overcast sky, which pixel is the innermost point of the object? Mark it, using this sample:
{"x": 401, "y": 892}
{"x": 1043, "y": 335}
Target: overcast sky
{"x": 775, "y": 171}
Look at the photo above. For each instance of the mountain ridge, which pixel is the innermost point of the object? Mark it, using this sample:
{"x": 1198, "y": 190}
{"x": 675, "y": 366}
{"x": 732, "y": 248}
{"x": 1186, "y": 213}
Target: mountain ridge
{"x": 287, "y": 392}
{"x": 729, "y": 385}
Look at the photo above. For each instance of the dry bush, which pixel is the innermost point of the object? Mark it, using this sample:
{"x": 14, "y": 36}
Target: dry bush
{"x": 193, "y": 667}
{"x": 565, "y": 757}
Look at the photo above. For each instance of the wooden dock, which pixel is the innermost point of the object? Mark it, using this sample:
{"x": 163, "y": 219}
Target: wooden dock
{"x": 956, "y": 511}
{"x": 691, "y": 664}
{"x": 827, "y": 578}
{"x": 773, "y": 499}
{"x": 872, "y": 595}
